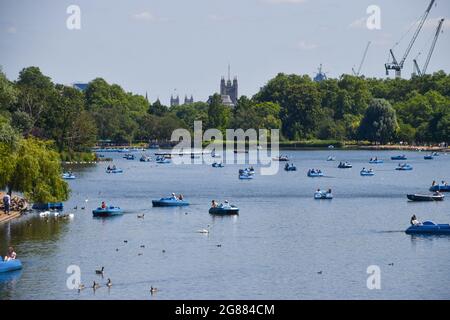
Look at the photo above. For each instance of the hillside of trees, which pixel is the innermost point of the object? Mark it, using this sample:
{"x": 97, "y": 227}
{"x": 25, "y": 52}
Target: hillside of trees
{"x": 348, "y": 108}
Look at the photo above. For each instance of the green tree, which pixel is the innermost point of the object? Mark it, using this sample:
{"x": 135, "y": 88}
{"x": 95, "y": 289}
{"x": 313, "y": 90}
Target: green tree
{"x": 379, "y": 123}
{"x": 218, "y": 114}
{"x": 34, "y": 169}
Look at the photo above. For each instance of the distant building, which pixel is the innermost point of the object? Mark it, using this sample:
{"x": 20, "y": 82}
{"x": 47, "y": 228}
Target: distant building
{"x": 188, "y": 100}
{"x": 229, "y": 90}
{"x": 174, "y": 101}
{"x": 80, "y": 86}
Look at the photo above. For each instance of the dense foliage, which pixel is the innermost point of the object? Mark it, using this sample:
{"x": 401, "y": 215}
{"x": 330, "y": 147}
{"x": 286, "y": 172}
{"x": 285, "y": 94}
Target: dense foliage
{"x": 348, "y": 108}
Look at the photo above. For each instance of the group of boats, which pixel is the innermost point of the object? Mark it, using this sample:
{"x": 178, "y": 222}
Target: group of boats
{"x": 173, "y": 201}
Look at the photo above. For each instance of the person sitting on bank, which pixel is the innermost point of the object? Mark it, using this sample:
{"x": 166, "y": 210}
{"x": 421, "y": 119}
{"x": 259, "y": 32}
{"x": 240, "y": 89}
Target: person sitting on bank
{"x": 414, "y": 221}
{"x": 6, "y": 203}
{"x": 11, "y": 254}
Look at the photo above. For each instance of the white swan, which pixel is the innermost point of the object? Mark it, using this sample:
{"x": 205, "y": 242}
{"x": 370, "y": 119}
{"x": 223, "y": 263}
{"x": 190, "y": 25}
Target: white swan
{"x": 204, "y": 230}
{"x": 44, "y": 214}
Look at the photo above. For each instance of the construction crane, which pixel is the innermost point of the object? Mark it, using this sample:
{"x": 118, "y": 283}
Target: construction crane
{"x": 398, "y": 66}
{"x": 433, "y": 44}
{"x": 362, "y": 61}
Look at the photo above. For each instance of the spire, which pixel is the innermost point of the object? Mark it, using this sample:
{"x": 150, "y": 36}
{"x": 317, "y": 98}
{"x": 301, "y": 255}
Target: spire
{"x": 228, "y": 72}
{"x": 146, "y": 96}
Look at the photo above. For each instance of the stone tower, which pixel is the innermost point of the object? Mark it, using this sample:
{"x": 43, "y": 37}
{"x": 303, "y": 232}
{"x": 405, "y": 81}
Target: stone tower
{"x": 174, "y": 101}
{"x": 228, "y": 88}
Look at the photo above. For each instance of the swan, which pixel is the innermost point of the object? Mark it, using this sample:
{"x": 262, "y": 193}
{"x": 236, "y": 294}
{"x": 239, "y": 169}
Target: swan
{"x": 71, "y": 216}
{"x": 44, "y": 214}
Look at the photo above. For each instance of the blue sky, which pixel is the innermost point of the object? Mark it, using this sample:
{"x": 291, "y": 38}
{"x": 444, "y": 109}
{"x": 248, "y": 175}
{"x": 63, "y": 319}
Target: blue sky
{"x": 160, "y": 46}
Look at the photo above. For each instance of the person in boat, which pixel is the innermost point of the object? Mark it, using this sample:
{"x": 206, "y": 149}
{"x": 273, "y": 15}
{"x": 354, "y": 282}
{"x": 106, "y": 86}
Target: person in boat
{"x": 225, "y": 204}
{"x": 11, "y": 255}
{"x": 213, "y": 204}
{"x": 329, "y": 191}
{"x": 103, "y": 206}
{"x": 174, "y": 197}
{"x": 180, "y": 197}
{"x": 363, "y": 169}
{"x": 414, "y": 221}
{"x": 433, "y": 183}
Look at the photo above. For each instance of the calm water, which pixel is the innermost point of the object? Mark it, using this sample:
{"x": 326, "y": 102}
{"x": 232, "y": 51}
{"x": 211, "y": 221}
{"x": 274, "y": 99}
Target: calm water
{"x": 273, "y": 250}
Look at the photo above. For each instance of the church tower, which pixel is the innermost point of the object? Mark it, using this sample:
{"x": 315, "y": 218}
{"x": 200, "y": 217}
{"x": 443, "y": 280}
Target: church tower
{"x": 229, "y": 90}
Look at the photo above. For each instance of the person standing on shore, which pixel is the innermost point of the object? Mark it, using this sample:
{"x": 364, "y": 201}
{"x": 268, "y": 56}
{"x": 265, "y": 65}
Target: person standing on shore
{"x": 6, "y": 203}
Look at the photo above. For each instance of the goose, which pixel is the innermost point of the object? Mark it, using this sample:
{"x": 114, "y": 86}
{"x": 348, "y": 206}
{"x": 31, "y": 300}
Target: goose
{"x": 82, "y": 208}
{"x": 140, "y": 254}
{"x": 125, "y": 241}
{"x": 80, "y": 287}
{"x": 75, "y": 208}
{"x": 391, "y": 264}
{"x": 142, "y": 246}
{"x": 95, "y": 285}
{"x": 218, "y": 245}
{"x": 101, "y": 271}
{"x": 319, "y": 272}
{"x": 153, "y": 289}
{"x": 109, "y": 283}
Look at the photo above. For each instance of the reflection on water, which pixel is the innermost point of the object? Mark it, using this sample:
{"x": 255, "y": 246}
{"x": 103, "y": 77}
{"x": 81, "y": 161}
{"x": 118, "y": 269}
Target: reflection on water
{"x": 281, "y": 238}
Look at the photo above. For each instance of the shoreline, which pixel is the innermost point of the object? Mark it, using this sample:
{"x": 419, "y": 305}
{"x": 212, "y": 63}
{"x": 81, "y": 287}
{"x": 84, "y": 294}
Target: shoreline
{"x": 13, "y": 215}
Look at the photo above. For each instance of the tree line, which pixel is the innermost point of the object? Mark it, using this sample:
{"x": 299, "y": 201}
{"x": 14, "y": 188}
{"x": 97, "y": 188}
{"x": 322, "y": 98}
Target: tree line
{"x": 349, "y": 108}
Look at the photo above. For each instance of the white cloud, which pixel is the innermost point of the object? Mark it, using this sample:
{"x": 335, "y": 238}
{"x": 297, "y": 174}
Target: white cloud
{"x": 306, "y": 46}
{"x": 11, "y": 30}
{"x": 285, "y": 1}
{"x": 359, "y": 23}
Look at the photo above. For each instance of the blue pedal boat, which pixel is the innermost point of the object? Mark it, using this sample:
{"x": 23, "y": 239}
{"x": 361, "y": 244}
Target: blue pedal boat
{"x": 48, "y": 206}
{"x": 11, "y": 265}
{"x": 114, "y": 171}
{"x": 319, "y": 195}
{"x": 345, "y": 165}
{"x": 367, "y": 173}
{"x": 429, "y": 227}
{"x": 401, "y": 157}
{"x": 375, "y": 161}
{"x": 440, "y": 188}
{"x": 404, "y": 167}
{"x": 68, "y": 176}
{"x": 291, "y": 167}
{"x": 169, "y": 202}
{"x": 217, "y": 165}
{"x": 314, "y": 174}
{"x": 245, "y": 176}
{"x": 224, "y": 210}
{"x": 107, "y": 212}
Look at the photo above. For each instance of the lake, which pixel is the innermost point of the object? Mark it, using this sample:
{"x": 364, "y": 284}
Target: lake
{"x": 282, "y": 245}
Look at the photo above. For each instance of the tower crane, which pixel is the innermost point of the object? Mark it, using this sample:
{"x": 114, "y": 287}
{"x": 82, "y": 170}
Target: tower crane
{"x": 398, "y": 66}
{"x": 433, "y": 44}
{"x": 362, "y": 61}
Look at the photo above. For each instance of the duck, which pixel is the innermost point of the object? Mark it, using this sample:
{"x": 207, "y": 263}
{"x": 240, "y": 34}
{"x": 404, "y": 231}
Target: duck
{"x": 140, "y": 254}
{"x": 75, "y": 208}
{"x": 101, "y": 271}
{"x": 95, "y": 285}
{"x": 82, "y": 208}
{"x": 391, "y": 264}
{"x": 218, "y": 245}
{"x": 163, "y": 251}
{"x": 109, "y": 283}
{"x": 319, "y": 272}
{"x": 141, "y": 216}
{"x": 153, "y": 289}
{"x": 125, "y": 241}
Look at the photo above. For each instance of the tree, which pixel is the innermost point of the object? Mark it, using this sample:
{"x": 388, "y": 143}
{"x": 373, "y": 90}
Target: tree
{"x": 218, "y": 114}
{"x": 379, "y": 123}
{"x": 8, "y": 93}
{"x": 34, "y": 169}
{"x": 157, "y": 108}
